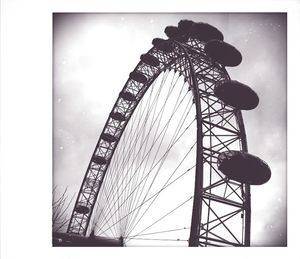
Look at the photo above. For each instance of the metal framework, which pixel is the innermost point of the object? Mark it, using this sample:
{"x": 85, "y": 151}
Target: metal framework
{"x": 217, "y": 199}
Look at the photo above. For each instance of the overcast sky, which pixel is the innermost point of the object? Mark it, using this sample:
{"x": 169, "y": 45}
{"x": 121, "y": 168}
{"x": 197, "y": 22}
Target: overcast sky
{"x": 93, "y": 55}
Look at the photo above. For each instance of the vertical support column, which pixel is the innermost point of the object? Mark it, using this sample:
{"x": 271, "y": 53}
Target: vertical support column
{"x": 248, "y": 215}
{"x": 247, "y": 202}
{"x": 197, "y": 208}
{"x": 197, "y": 202}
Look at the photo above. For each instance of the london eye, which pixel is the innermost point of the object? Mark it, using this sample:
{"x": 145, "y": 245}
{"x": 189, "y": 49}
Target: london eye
{"x": 171, "y": 166}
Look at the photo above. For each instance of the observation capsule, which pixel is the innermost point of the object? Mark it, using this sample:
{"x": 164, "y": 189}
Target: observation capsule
{"x": 184, "y": 26}
{"x": 243, "y": 167}
{"x": 137, "y": 76}
{"x": 150, "y": 60}
{"x": 127, "y": 96}
{"x": 204, "y": 31}
{"x": 174, "y": 33}
{"x": 108, "y": 137}
{"x": 118, "y": 116}
{"x": 223, "y": 53}
{"x": 99, "y": 160}
{"x": 82, "y": 209}
{"x": 236, "y": 94}
{"x": 163, "y": 45}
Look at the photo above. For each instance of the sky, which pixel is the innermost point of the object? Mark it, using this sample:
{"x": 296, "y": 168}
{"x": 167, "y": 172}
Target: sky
{"x": 93, "y": 55}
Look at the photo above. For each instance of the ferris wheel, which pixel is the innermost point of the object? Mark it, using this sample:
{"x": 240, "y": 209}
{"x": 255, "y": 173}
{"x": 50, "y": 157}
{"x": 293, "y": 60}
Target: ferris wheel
{"x": 171, "y": 166}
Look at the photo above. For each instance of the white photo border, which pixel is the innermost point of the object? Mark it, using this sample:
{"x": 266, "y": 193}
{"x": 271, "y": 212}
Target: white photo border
{"x": 26, "y": 125}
